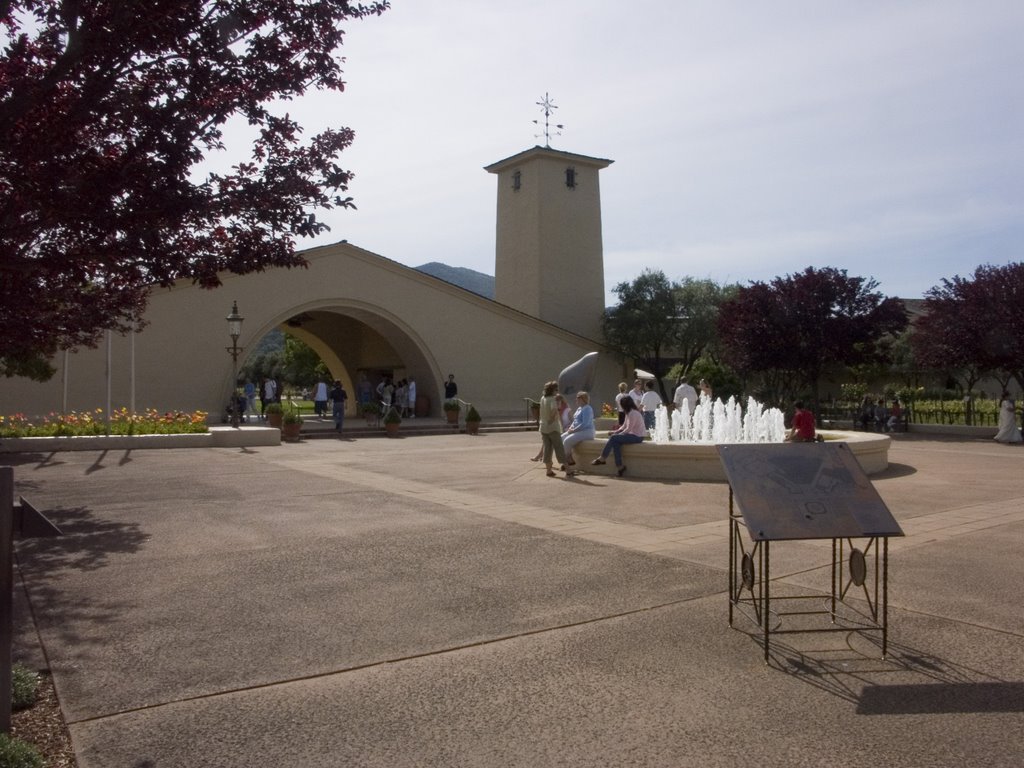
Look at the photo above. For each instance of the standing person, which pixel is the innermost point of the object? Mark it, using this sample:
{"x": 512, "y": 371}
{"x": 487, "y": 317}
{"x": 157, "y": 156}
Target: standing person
{"x": 631, "y": 431}
{"x": 365, "y": 390}
{"x": 705, "y": 388}
{"x": 250, "y": 398}
{"x": 1008, "y": 431}
{"x": 685, "y": 393}
{"x": 451, "y": 389}
{"x": 338, "y": 398}
{"x": 623, "y": 392}
{"x": 551, "y": 427}
{"x": 269, "y": 393}
{"x": 412, "y": 397}
{"x": 649, "y": 402}
{"x": 320, "y": 398}
{"x": 581, "y": 428}
{"x": 402, "y": 398}
{"x": 802, "y": 430}
{"x": 637, "y": 392}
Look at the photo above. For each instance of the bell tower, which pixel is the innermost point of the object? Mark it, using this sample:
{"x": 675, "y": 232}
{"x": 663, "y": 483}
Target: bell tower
{"x": 549, "y": 259}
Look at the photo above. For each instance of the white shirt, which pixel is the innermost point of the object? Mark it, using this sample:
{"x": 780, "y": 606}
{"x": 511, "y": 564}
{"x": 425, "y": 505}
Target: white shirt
{"x": 686, "y": 392}
{"x": 650, "y": 401}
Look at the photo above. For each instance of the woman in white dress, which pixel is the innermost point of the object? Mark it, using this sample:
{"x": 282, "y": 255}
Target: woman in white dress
{"x": 1008, "y": 431}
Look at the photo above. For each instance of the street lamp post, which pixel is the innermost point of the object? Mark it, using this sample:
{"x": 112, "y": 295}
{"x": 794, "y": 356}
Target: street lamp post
{"x": 234, "y": 331}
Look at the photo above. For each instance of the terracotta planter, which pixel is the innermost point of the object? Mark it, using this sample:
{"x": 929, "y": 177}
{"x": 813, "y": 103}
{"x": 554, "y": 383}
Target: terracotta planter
{"x": 392, "y": 429}
{"x": 275, "y": 419}
{"x": 452, "y": 416}
{"x": 290, "y": 432}
{"x": 472, "y": 427}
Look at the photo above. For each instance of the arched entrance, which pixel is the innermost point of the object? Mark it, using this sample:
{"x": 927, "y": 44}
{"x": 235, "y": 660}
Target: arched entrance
{"x": 357, "y": 341}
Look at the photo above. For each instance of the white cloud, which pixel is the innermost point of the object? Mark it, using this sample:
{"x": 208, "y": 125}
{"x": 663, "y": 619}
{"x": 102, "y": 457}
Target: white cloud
{"x": 750, "y": 139}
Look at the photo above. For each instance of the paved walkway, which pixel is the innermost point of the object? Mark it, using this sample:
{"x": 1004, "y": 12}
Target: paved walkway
{"x": 438, "y": 601}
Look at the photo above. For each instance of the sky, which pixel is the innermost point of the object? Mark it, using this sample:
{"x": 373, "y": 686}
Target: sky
{"x": 750, "y": 139}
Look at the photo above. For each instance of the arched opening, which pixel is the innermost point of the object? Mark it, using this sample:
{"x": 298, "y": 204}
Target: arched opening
{"x": 359, "y": 345}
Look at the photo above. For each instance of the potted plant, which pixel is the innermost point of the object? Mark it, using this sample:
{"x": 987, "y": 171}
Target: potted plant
{"x": 371, "y": 412}
{"x": 472, "y": 421}
{"x": 275, "y": 414}
{"x": 291, "y": 425}
{"x": 391, "y": 421}
{"x": 451, "y": 411}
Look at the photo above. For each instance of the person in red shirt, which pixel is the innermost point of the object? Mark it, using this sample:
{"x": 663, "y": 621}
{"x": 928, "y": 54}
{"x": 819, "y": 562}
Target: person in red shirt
{"x": 802, "y": 430}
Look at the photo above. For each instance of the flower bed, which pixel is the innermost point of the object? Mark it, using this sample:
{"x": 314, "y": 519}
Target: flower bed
{"x": 93, "y": 423}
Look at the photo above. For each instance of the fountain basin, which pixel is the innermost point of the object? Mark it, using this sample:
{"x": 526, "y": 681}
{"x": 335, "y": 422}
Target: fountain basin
{"x": 699, "y": 462}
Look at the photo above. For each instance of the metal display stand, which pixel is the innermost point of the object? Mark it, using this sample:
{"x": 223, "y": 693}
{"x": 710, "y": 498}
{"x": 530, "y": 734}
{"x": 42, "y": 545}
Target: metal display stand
{"x": 806, "y": 491}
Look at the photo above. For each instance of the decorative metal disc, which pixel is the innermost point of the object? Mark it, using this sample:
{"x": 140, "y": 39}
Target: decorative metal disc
{"x": 747, "y": 569}
{"x": 858, "y": 567}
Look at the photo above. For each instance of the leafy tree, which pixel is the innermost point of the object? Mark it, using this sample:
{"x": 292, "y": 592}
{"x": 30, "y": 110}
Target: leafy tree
{"x": 302, "y": 366}
{"x": 645, "y": 321}
{"x": 697, "y": 307}
{"x": 973, "y": 327}
{"x": 107, "y": 109}
{"x": 789, "y": 332}
{"x": 656, "y": 319}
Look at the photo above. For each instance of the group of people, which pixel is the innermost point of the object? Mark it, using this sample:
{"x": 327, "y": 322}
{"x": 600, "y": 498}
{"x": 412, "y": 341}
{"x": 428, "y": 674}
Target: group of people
{"x": 562, "y": 429}
{"x": 874, "y": 413}
{"x": 399, "y": 394}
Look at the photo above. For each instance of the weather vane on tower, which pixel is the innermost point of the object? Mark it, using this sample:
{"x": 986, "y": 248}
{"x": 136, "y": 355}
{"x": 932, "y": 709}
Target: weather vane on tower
{"x": 548, "y": 106}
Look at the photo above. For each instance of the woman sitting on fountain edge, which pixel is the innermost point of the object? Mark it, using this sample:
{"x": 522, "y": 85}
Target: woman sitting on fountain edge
{"x": 631, "y": 431}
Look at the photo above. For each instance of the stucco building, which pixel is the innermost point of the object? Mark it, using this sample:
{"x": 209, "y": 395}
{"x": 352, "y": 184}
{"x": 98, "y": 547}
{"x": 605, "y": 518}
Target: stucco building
{"x": 365, "y": 314}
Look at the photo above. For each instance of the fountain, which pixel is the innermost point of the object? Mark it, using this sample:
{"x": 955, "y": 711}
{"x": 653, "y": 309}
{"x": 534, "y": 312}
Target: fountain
{"x": 683, "y": 446}
{"x": 718, "y": 422}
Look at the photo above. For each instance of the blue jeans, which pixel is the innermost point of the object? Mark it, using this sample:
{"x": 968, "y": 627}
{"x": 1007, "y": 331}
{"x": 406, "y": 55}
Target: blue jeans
{"x": 615, "y": 443}
{"x": 339, "y": 415}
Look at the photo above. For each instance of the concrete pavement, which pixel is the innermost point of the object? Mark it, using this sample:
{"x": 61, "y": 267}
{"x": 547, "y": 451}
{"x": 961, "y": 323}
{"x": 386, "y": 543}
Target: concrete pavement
{"x": 437, "y": 601}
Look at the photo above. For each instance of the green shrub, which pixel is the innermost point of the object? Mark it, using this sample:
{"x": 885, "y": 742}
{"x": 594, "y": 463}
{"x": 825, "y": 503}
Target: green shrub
{"x": 392, "y": 416}
{"x": 23, "y": 687}
{"x": 472, "y": 414}
{"x": 15, "y": 753}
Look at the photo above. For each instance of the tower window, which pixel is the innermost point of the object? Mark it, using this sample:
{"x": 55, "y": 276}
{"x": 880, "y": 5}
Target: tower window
{"x": 570, "y": 177}
{"x": 517, "y": 180}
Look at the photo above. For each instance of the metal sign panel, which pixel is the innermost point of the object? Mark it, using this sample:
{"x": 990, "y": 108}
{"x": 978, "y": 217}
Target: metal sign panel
{"x": 790, "y": 491}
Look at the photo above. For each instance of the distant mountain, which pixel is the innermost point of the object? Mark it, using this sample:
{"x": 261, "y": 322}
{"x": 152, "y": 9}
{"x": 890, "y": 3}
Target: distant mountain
{"x": 470, "y": 279}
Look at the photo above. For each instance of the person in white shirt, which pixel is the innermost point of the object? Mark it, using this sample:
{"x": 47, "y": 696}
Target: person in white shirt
{"x": 685, "y": 393}
{"x": 320, "y": 399}
{"x": 412, "y": 397}
{"x": 637, "y": 392}
{"x": 649, "y": 402}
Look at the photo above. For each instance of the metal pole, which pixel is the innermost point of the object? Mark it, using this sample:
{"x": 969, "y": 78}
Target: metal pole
{"x": 732, "y": 556}
{"x": 234, "y": 379}
{"x": 131, "y": 404}
{"x": 6, "y": 593}
{"x": 110, "y": 347}
{"x": 64, "y": 382}
{"x": 767, "y": 595}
